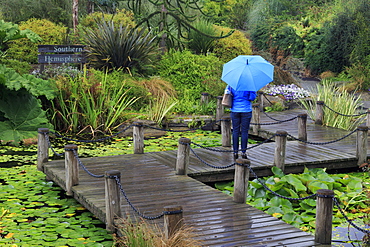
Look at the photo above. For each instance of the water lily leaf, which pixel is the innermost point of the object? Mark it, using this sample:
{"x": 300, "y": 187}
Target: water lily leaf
{"x": 295, "y": 182}
{"x": 291, "y": 193}
{"x": 316, "y": 185}
{"x": 277, "y": 172}
{"x": 354, "y": 184}
{"x": 289, "y": 217}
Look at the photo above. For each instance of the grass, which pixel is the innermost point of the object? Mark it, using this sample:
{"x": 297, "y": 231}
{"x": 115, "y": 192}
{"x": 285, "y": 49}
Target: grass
{"x": 340, "y": 101}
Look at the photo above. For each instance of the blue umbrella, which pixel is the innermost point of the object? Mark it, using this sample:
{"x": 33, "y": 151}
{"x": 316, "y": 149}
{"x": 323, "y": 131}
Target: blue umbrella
{"x": 247, "y": 73}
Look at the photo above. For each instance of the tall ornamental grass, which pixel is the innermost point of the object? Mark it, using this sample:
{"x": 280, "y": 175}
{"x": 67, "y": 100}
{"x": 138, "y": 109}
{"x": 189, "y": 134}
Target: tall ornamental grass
{"x": 340, "y": 101}
{"x": 84, "y": 103}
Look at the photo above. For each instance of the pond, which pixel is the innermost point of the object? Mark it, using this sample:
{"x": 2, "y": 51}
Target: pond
{"x": 11, "y": 158}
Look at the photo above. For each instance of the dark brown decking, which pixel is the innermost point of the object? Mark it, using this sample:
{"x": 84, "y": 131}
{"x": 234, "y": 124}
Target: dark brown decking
{"x": 150, "y": 183}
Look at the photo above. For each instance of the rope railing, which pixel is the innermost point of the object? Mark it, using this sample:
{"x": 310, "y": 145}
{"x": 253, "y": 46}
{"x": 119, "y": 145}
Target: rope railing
{"x": 345, "y": 115}
{"x": 278, "y": 121}
{"x": 324, "y": 143}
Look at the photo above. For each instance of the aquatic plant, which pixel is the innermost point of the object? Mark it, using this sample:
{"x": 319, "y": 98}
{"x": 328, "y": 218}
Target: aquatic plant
{"x": 35, "y": 212}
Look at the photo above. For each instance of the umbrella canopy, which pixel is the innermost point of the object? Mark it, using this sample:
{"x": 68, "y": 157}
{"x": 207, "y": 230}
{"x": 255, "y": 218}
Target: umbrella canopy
{"x": 247, "y": 73}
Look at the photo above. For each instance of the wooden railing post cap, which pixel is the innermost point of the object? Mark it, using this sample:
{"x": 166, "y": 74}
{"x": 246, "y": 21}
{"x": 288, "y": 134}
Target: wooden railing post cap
{"x": 205, "y": 94}
{"x": 226, "y": 118}
{"x": 219, "y": 97}
{"x": 281, "y": 133}
{"x": 71, "y": 146}
{"x": 138, "y": 123}
{"x": 184, "y": 140}
{"x": 172, "y": 207}
{"x": 302, "y": 115}
{"x": 243, "y": 161}
{"x": 43, "y": 130}
{"x": 260, "y": 92}
{"x": 256, "y": 105}
{"x": 320, "y": 102}
{"x": 113, "y": 173}
{"x": 363, "y": 128}
{"x": 325, "y": 192}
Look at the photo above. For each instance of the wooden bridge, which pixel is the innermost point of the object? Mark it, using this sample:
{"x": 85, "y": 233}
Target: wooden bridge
{"x": 150, "y": 183}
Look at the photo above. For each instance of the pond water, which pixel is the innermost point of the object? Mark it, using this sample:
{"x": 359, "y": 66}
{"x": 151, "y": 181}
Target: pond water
{"x": 348, "y": 236}
{"x": 25, "y": 155}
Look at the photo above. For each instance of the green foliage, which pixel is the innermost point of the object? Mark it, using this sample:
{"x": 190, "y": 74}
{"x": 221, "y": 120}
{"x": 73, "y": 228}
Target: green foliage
{"x": 10, "y": 32}
{"x": 121, "y": 17}
{"x": 19, "y": 66}
{"x": 199, "y": 43}
{"x": 359, "y": 73}
{"x": 340, "y": 101}
{"x": 57, "y": 11}
{"x": 114, "y": 46}
{"x": 23, "y": 115}
{"x": 342, "y": 40}
{"x": 276, "y": 106}
{"x": 191, "y": 75}
{"x": 85, "y": 102}
{"x": 232, "y": 46}
{"x": 281, "y": 36}
{"x": 51, "y": 34}
{"x": 37, "y": 213}
{"x": 169, "y": 20}
{"x": 228, "y": 13}
{"x": 349, "y": 189}
{"x": 20, "y": 110}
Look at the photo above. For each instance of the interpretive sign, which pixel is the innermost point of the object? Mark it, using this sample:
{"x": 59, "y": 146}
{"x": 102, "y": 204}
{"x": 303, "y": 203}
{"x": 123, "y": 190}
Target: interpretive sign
{"x": 61, "y": 54}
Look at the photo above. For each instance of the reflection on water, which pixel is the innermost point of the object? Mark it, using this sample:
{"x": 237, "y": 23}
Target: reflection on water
{"x": 349, "y": 236}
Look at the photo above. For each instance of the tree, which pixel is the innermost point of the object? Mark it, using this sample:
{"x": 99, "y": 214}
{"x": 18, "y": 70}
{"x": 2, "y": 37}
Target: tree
{"x": 169, "y": 19}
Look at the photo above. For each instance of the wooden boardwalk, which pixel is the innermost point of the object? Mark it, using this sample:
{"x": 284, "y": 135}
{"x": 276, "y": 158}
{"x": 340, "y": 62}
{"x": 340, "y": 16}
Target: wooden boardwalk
{"x": 150, "y": 183}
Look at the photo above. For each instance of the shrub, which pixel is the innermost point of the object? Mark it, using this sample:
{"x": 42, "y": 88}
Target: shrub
{"x": 359, "y": 73}
{"x": 57, "y": 11}
{"x": 191, "y": 75}
{"x": 121, "y": 17}
{"x": 230, "y": 47}
{"x": 18, "y": 66}
{"x": 50, "y": 33}
{"x": 198, "y": 42}
{"x": 113, "y": 46}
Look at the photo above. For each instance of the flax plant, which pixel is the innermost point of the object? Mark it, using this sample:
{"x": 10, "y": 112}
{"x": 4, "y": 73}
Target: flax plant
{"x": 159, "y": 108}
{"x": 84, "y": 103}
{"x": 340, "y": 101}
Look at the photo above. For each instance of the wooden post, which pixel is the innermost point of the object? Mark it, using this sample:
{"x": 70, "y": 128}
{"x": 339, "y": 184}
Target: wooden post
{"x": 319, "y": 112}
{"x": 302, "y": 127}
{"x": 112, "y": 198}
{"x": 173, "y": 220}
{"x": 279, "y": 157}
{"x": 42, "y": 148}
{"x": 255, "y": 118}
{"x": 260, "y": 100}
{"x": 226, "y": 131}
{"x": 138, "y": 136}
{"x": 368, "y": 118}
{"x": 241, "y": 179}
{"x": 361, "y": 144}
{"x": 71, "y": 166}
{"x": 182, "y": 161}
{"x": 220, "y": 110}
{"x": 204, "y": 99}
{"x": 324, "y": 216}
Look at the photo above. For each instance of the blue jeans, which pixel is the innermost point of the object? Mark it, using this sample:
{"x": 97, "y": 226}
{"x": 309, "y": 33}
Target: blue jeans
{"x": 240, "y": 122}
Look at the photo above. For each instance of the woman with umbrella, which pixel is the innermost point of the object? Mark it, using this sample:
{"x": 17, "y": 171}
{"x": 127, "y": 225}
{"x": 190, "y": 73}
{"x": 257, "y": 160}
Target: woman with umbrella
{"x": 245, "y": 75}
